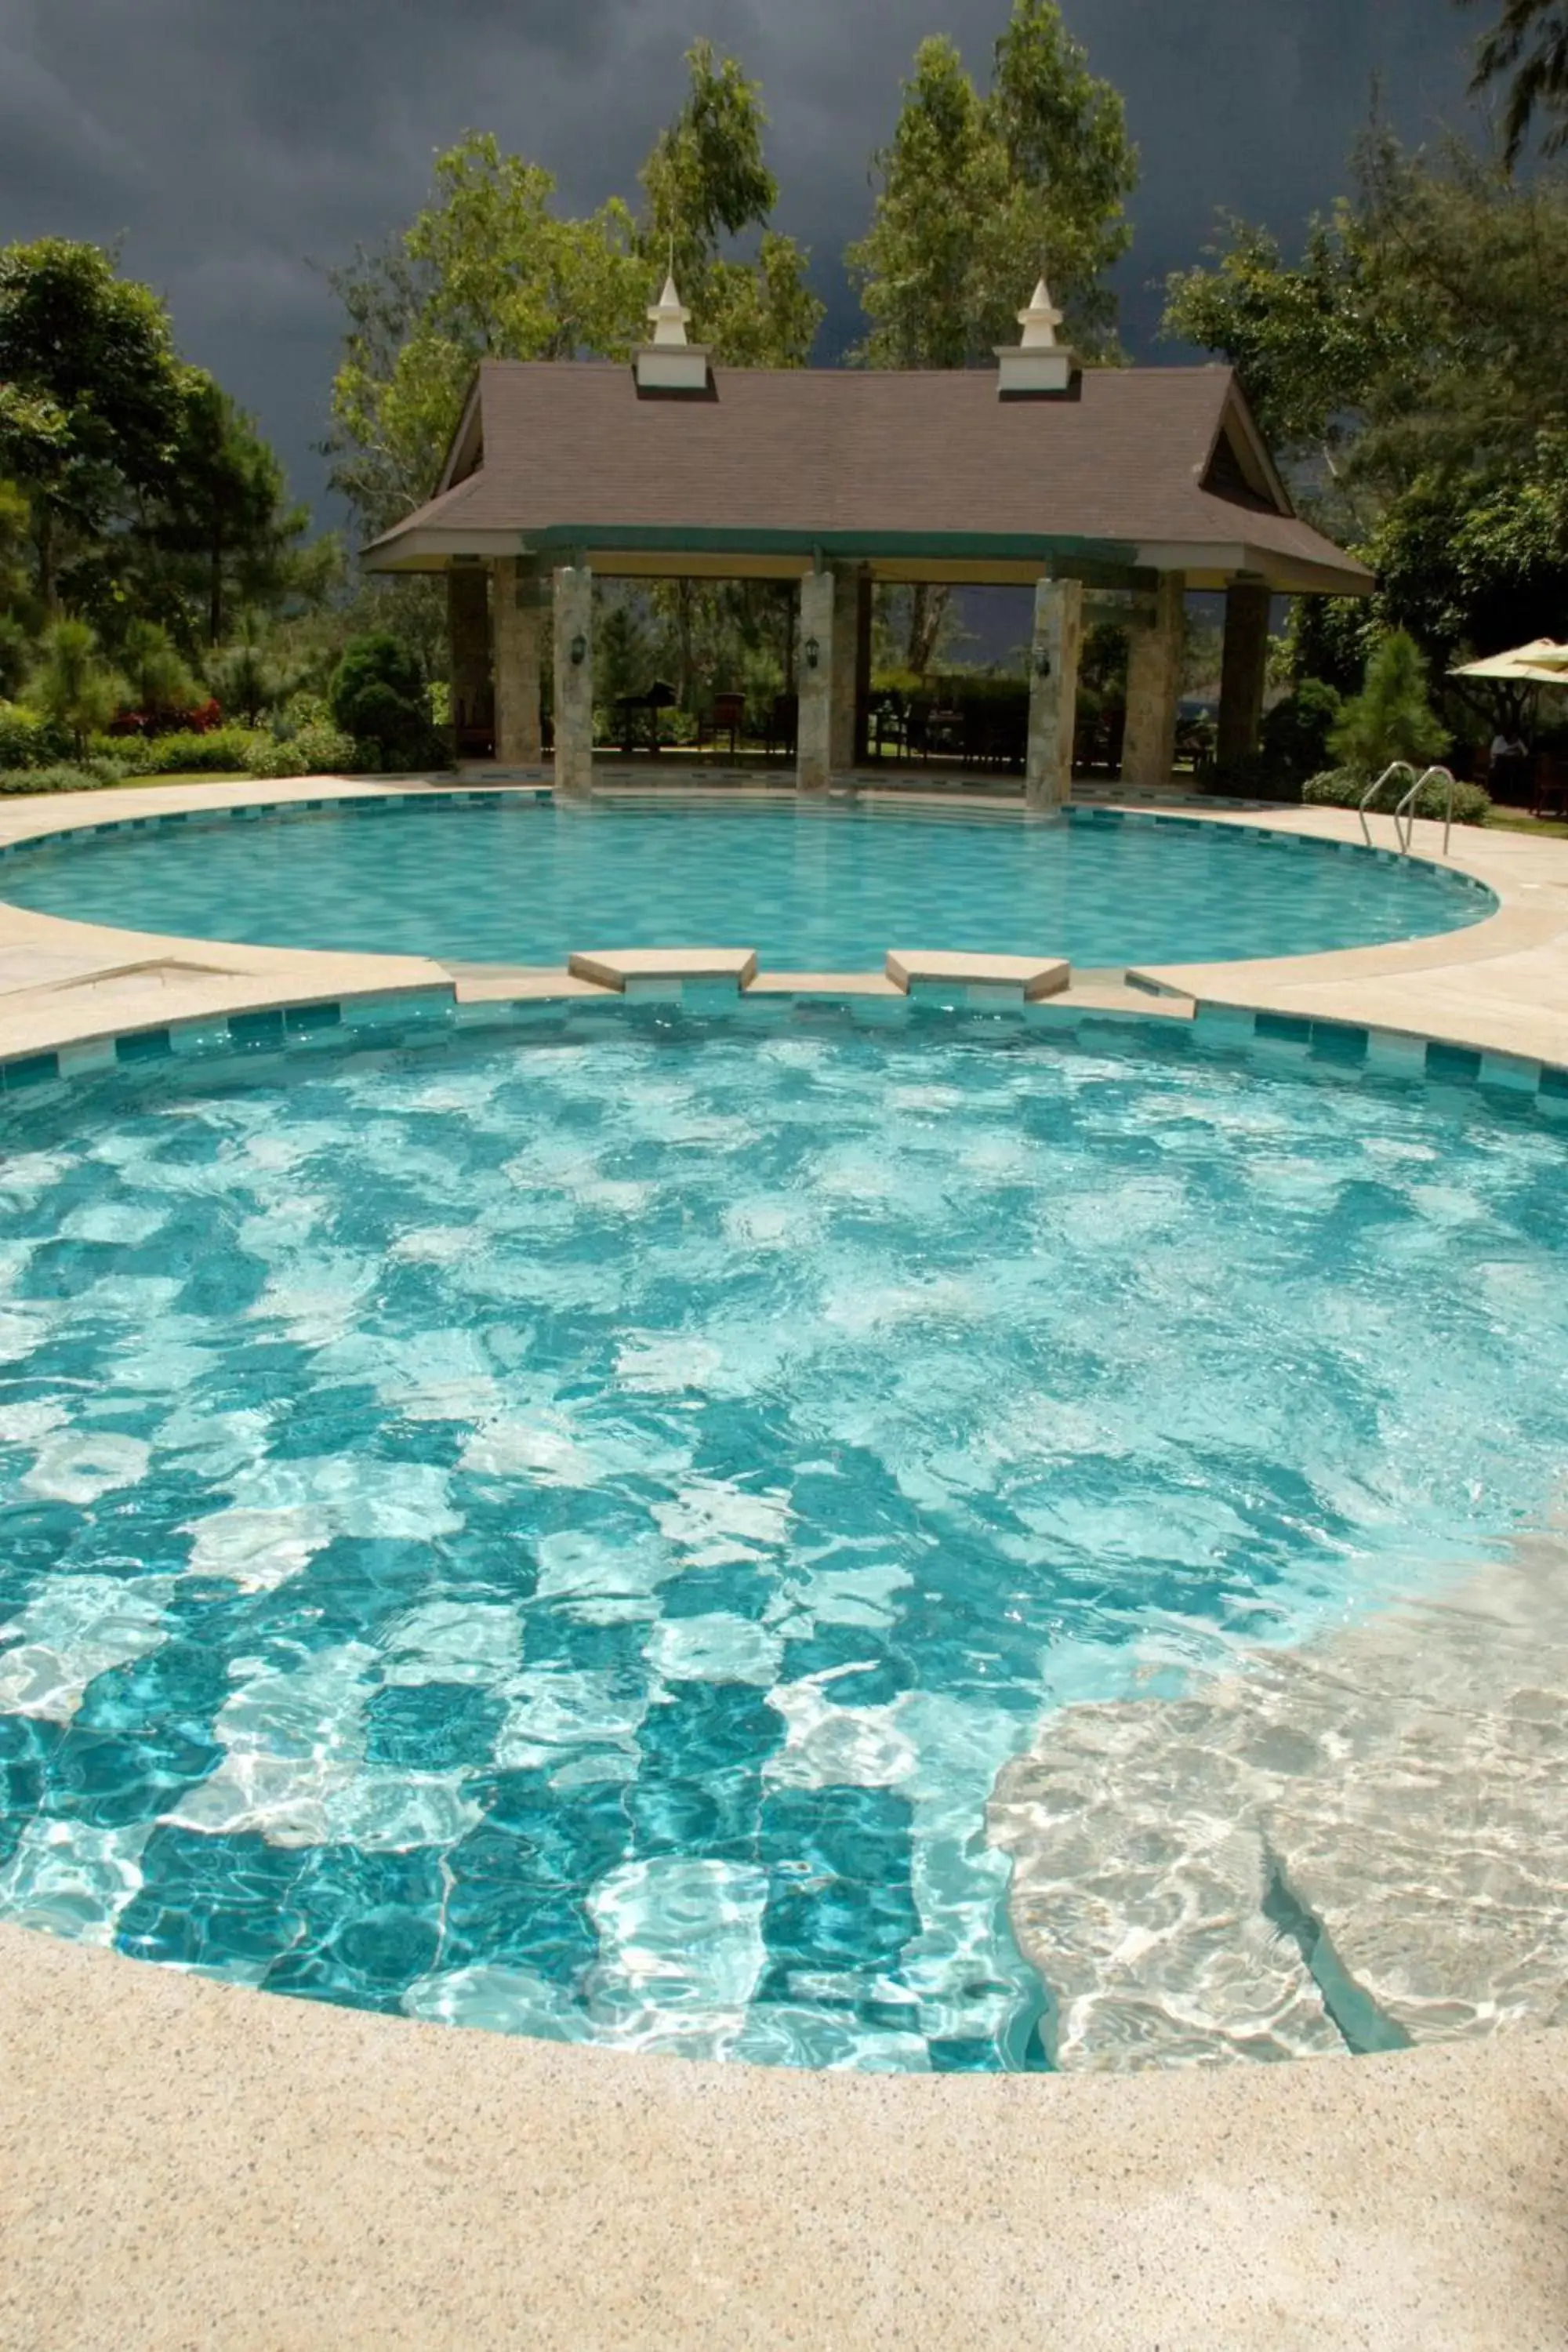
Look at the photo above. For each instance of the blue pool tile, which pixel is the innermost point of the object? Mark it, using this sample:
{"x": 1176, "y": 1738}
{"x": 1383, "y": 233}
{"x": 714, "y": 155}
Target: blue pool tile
{"x": 1456, "y": 1064}
{"x": 265, "y": 1028}
{"x": 145, "y": 1046}
{"x": 31, "y": 1070}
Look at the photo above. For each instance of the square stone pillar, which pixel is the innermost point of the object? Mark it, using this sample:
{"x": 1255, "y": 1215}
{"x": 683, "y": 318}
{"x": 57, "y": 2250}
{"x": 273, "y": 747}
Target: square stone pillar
{"x": 468, "y": 649}
{"x": 814, "y": 740}
{"x": 1054, "y": 657}
{"x": 575, "y": 680}
{"x": 1243, "y": 671}
{"x": 844, "y": 677}
{"x": 517, "y": 620}
{"x": 1154, "y": 687}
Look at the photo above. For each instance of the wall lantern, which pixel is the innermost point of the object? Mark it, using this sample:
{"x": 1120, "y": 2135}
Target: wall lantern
{"x": 1042, "y": 664}
{"x": 578, "y": 650}
{"x": 813, "y": 653}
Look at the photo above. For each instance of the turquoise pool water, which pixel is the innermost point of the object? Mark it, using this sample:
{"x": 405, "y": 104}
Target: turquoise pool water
{"x": 562, "y": 1534}
{"x": 811, "y": 889}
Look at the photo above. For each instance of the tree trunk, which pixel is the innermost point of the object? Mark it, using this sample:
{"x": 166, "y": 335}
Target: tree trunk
{"x": 928, "y": 611}
{"x": 215, "y": 593}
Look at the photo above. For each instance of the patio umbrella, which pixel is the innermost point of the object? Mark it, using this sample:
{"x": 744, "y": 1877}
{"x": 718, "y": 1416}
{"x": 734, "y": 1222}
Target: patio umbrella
{"x": 1543, "y": 662}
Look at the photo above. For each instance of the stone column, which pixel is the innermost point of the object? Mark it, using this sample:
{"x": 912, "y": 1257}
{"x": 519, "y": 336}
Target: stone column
{"x": 1242, "y": 673}
{"x": 517, "y": 625}
{"x": 844, "y": 674}
{"x": 1154, "y": 687}
{"x": 469, "y": 644}
{"x": 573, "y": 680}
{"x": 814, "y": 740}
{"x": 1054, "y": 658}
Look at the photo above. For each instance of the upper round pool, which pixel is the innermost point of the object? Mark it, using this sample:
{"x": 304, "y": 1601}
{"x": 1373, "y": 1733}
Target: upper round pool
{"x": 827, "y": 889}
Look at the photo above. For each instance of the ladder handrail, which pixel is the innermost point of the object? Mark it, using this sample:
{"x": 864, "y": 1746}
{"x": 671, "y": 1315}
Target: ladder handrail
{"x": 1406, "y": 808}
{"x": 1394, "y": 767}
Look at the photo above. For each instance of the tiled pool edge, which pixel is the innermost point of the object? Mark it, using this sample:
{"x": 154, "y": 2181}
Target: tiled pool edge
{"x": 385, "y": 1018}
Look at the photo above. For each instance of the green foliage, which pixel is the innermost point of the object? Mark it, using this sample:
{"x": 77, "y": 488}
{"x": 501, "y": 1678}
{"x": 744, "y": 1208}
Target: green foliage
{"x": 86, "y": 776}
{"x": 27, "y": 740}
{"x": 314, "y": 751}
{"x": 94, "y": 396}
{"x": 1529, "y": 43}
{"x": 1296, "y": 731}
{"x": 978, "y": 194}
{"x": 73, "y": 687}
{"x": 487, "y": 270}
{"x": 221, "y": 752}
{"x": 705, "y": 181}
{"x": 225, "y": 535}
{"x": 157, "y": 682}
{"x": 1347, "y": 788}
{"x": 1391, "y": 718}
{"x": 378, "y": 699}
{"x": 15, "y": 656}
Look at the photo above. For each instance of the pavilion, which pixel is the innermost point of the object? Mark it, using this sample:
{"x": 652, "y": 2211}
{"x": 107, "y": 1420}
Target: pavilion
{"x": 1112, "y": 491}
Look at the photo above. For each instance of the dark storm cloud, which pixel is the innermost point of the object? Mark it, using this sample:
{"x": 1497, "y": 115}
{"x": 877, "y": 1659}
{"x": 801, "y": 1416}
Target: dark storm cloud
{"x": 236, "y": 149}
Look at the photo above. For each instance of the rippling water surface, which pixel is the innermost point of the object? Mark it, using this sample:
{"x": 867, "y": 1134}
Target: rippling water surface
{"x": 565, "y": 1533}
{"x": 821, "y": 888}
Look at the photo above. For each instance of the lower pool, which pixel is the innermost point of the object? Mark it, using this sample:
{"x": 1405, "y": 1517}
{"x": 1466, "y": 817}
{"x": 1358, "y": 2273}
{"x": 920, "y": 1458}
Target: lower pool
{"x": 563, "y": 1531}
{"x": 825, "y": 889}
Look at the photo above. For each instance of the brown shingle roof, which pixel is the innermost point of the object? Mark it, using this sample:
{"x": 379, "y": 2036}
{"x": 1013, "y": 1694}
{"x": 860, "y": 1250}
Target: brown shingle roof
{"x": 832, "y": 455}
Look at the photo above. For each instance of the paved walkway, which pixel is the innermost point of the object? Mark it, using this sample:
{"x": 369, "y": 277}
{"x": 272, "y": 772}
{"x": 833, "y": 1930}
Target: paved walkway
{"x": 185, "y": 2164}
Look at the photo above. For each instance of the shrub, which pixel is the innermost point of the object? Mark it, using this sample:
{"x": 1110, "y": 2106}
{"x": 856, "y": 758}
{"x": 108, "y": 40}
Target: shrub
{"x": 1343, "y": 788}
{"x": 25, "y": 740}
{"x": 1296, "y": 731}
{"x": 74, "y": 687}
{"x": 378, "y": 697}
{"x": 313, "y": 751}
{"x": 64, "y": 776}
{"x": 1391, "y": 718}
{"x": 221, "y": 750}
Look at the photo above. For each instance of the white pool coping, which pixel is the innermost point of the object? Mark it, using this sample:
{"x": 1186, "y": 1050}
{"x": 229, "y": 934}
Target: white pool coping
{"x": 185, "y": 2162}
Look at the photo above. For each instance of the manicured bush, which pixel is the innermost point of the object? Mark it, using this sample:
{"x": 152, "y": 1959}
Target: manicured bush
{"x": 313, "y": 751}
{"x": 64, "y": 776}
{"x": 222, "y": 751}
{"x": 1343, "y": 788}
{"x": 378, "y": 697}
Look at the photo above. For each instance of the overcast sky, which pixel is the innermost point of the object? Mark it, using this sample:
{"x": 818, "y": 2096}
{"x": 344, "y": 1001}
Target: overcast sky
{"x": 237, "y": 150}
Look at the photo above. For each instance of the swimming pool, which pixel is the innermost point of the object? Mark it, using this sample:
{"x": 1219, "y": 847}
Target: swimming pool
{"x": 826, "y": 889}
{"x": 563, "y": 1531}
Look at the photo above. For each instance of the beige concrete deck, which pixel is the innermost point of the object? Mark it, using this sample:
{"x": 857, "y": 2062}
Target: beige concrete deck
{"x": 185, "y": 2164}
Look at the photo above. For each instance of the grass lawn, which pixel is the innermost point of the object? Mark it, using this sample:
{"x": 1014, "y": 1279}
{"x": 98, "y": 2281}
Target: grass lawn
{"x": 1511, "y": 820}
{"x": 227, "y": 776}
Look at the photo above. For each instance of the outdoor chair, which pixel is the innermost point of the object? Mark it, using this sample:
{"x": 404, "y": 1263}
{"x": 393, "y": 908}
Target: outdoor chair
{"x": 783, "y": 728}
{"x": 645, "y": 706}
{"x": 725, "y": 715}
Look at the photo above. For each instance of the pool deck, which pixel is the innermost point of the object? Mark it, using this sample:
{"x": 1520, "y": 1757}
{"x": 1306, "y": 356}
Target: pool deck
{"x": 186, "y": 2163}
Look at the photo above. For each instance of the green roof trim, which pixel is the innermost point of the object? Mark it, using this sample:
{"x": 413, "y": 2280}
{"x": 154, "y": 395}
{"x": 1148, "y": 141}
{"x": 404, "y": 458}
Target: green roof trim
{"x": 1087, "y": 558}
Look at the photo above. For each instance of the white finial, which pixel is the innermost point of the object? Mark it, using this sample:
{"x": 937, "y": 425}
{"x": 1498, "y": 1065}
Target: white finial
{"x": 1040, "y": 321}
{"x": 668, "y": 316}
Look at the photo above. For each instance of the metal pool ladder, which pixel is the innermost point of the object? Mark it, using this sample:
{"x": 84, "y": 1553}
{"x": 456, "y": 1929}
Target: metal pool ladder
{"x": 1405, "y": 811}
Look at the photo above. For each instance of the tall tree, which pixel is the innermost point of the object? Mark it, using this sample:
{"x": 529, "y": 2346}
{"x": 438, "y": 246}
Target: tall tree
{"x": 1528, "y": 47}
{"x": 486, "y": 270}
{"x": 224, "y": 522}
{"x": 977, "y": 194}
{"x": 91, "y": 396}
{"x": 706, "y": 181}
{"x": 1409, "y": 367}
